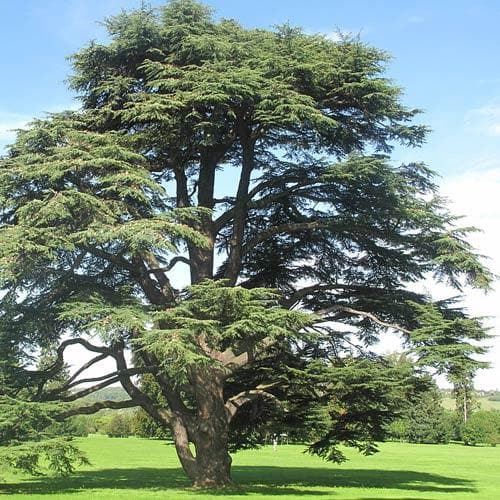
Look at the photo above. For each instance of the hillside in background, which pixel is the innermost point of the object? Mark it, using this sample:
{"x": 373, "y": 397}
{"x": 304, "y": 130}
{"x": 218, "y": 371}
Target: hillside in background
{"x": 487, "y": 400}
{"x": 108, "y": 393}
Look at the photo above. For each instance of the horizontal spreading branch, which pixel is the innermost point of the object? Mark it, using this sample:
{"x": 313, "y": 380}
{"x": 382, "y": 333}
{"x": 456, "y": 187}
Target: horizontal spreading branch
{"x": 95, "y": 407}
{"x": 89, "y": 390}
{"x": 108, "y": 379}
{"x": 85, "y": 367}
{"x": 259, "y": 203}
{"x": 289, "y": 228}
{"x": 356, "y": 312}
{"x": 129, "y": 371}
{"x": 40, "y": 377}
{"x": 59, "y": 361}
{"x": 299, "y": 294}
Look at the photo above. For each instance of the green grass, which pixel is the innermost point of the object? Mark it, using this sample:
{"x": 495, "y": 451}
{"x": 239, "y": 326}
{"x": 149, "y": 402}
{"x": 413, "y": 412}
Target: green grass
{"x": 141, "y": 469}
{"x": 484, "y": 404}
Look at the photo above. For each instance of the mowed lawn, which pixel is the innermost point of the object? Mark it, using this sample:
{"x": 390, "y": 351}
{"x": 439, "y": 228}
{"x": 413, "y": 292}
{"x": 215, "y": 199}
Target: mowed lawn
{"x": 142, "y": 469}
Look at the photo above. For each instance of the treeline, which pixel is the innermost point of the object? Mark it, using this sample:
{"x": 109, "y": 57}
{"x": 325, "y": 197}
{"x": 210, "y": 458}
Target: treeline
{"x": 429, "y": 423}
{"x": 114, "y": 423}
{"x": 122, "y": 423}
{"x": 492, "y": 395}
{"x": 414, "y": 398}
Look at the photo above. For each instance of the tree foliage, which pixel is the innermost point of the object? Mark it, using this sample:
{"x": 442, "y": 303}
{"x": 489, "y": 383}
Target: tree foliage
{"x": 259, "y": 159}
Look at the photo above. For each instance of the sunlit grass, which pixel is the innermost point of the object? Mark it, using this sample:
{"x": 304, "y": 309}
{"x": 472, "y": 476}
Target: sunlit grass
{"x": 142, "y": 469}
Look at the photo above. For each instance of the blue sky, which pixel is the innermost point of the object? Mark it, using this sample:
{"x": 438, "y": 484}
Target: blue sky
{"x": 445, "y": 56}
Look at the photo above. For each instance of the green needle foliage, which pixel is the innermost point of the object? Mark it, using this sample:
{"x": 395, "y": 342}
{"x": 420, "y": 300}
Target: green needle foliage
{"x": 259, "y": 161}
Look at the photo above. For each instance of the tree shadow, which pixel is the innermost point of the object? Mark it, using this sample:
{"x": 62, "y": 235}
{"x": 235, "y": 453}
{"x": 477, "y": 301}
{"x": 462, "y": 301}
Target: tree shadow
{"x": 353, "y": 478}
{"x": 265, "y": 480}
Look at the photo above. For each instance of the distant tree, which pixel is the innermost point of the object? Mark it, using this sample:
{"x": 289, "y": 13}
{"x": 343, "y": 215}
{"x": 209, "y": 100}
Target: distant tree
{"x": 463, "y": 392}
{"x": 494, "y": 397}
{"x": 427, "y": 421}
{"x": 258, "y": 160}
{"x": 421, "y": 416}
{"x": 119, "y": 425}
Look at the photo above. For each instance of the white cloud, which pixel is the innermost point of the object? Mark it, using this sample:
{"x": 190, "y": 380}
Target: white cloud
{"x": 9, "y": 122}
{"x": 337, "y": 34}
{"x": 475, "y": 195}
{"x": 485, "y": 119}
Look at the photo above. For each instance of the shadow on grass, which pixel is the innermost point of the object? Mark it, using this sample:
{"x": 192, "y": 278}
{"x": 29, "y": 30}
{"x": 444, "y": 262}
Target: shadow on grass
{"x": 263, "y": 480}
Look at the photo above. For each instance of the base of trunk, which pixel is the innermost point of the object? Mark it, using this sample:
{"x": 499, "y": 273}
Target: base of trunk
{"x": 213, "y": 484}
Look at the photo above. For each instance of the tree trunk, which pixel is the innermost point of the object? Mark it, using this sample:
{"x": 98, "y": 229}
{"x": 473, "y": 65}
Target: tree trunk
{"x": 213, "y": 461}
{"x": 210, "y": 465}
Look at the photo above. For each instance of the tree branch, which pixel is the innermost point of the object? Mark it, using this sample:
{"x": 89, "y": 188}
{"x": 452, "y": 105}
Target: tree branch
{"x": 86, "y": 366}
{"x": 263, "y": 202}
{"x": 232, "y": 361}
{"x": 240, "y": 206}
{"x": 318, "y": 287}
{"x": 234, "y": 403}
{"x": 142, "y": 399}
{"x": 94, "y": 408}
{"x": 89, "y": 390}
{"x": 129, "y": 371}
{"x": 171, "y": 264}
{"x": 284, "y": 228}
{"x": 160, "y": 275}
{"x": 364, "y": 314}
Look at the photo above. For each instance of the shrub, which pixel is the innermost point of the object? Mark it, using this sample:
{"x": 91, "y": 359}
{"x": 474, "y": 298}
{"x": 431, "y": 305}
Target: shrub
{"x": 482, "y": 427}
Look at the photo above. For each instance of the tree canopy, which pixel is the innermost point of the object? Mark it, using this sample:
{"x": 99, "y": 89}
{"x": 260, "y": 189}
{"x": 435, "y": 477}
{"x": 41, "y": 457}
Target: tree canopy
{"x": 258, "y": 162}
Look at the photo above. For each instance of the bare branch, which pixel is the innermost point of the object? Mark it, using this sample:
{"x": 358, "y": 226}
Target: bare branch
{"x": 89, "y": 390}
{"x": 86, "y": 366}
{"x": 142, "y": 399}
{"x": 115, "y": 259}
{"x": 160, "y": 276}
{"x": 171, "y": 264}
{"x": 94, "y": 408}
{"x": 262, "y": 202}
{"x": 129, "y": 371}
{"x": 324, "y": 312}
{"x": 318, "y": 287}
{"x": 58, "y": 363}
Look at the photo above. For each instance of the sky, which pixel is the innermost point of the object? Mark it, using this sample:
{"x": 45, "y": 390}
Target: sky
{"x": 444, "y": 55}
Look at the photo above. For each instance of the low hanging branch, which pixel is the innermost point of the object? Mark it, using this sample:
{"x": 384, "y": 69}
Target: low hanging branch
{"x": 107, "y": 380}
{"x": 95, "y": 407}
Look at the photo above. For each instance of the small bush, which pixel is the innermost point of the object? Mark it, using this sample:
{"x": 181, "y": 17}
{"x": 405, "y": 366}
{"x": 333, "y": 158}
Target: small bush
{"x": 482, "y": 427}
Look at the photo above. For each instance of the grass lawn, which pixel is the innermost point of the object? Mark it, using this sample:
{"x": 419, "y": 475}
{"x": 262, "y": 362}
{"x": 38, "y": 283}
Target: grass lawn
{"x": 141, "y": 469}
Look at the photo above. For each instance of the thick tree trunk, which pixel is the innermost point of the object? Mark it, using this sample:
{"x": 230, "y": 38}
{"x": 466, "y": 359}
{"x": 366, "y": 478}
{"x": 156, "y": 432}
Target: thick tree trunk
{"x": 212, "y": 458}
{"x": 210, "y": 465}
